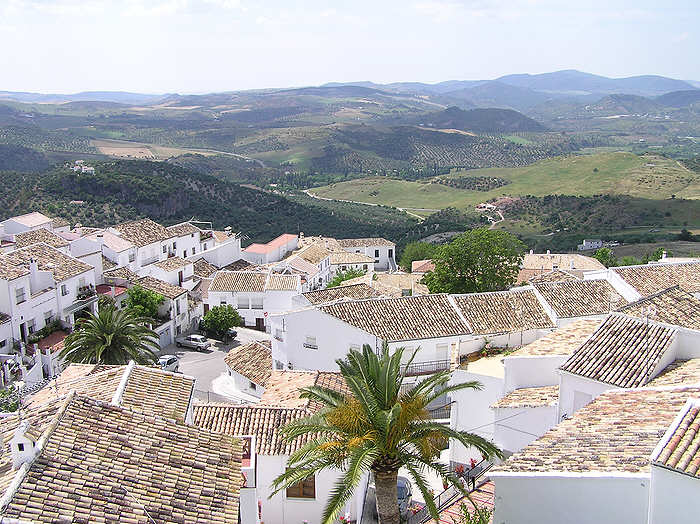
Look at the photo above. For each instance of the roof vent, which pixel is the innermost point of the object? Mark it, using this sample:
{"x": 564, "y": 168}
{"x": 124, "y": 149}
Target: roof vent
{"x": 23, "y": 445}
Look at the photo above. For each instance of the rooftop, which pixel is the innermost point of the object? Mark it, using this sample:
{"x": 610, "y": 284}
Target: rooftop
{"x": 57, "y": 222}
{"x": 299, "y": 264}
{"x": 616, "y": 433}
{"x": 35, "y": 236}
{"x": 652, "y": 278}
{"x": 314, "y": 253}
{"x": 562, "y": 341}
{"x": 364, "y": 242}
{"x": 114, "y": 242}
{"x": 143, "y": 232}
{"x": 624, "y": 351}
{"x": 422, "y": 266}
{"x": 353, "y": 291}
{"x": 252, "y": 360}
{"x": 264, "y": 422}
{"x": 277, "y": 282}
{"x": 172, "y": 264}
{"x": 16, "y": 263}
{"x": 160, "y": 286}
{"x": 272, "y": 245}
{"x": 580, "y": 298}
{"x": 565, "y": 261}
{"x": 678, "y": 373}
{"x": 183, "y": 230}
{"x": 503, "y": 311}
{"x": 346, "y": 257}
{"x": 405, "y": 318}
{"x": 204, "y": 269}
{"x": 98, "y": 457}
{"x": 671, "y": 306}
{"x": 283, "y": 387}
{"x": 556, "y": 275}
{"x": 680, "y": 450}
{"x": 392, "y": 284}
{"x": 529, "y": 398}
{"x": 235, "y": 281}
{"x": 32, "y": 219}
{"x": 121, "y": 273}
{"x": 112, "y": 291}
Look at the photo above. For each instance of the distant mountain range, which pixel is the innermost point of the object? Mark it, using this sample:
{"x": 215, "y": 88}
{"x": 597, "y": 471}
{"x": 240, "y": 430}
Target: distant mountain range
{"x": 119, "y": 97}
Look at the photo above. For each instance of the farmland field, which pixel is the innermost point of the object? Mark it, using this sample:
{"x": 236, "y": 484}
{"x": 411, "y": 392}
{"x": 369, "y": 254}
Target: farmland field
{"x": 645, "y": 176}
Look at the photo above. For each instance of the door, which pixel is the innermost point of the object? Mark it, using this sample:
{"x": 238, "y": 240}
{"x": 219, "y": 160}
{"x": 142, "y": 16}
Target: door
{"x": 164, "y": 338}
{"x": 260, "y": 324}
{"x": 179, "y": 278}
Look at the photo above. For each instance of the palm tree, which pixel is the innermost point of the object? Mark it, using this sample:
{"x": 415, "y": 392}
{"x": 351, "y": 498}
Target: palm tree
{"x": 111, "y": 336}
{"x": 376, "y": 428}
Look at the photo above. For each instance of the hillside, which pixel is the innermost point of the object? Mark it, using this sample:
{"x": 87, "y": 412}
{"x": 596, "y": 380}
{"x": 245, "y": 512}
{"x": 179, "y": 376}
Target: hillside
{"x": 18, "y": 158}
{"x": 499, "y": 94}
{"x": 624, "y": 104}
{"x": 489, "y": 120}
{"x": 679, "y": 98}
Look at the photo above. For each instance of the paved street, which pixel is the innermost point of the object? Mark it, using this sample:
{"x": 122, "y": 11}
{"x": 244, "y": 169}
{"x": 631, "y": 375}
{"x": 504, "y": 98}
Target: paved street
{"x": 208, "y": 365}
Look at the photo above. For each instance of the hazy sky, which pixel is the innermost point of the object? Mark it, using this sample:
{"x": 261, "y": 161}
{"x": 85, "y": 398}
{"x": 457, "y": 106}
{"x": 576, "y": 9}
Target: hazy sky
{"x": 214, "y": 45}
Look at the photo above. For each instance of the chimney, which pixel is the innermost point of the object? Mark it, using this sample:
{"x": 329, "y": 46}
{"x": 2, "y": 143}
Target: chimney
{"x": 23, "y": 445}
{"x": 663, "y": 255}
{"x": 532, "y": 252}
{"x": 571, "y": 264}
{"x": 548, "y": 252}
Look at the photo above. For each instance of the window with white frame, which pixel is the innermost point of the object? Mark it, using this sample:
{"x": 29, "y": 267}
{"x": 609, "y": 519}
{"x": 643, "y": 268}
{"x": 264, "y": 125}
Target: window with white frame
{"x": 64, "y": 290}
{"x": 376, "y": 253}
{"x": 256, "y": 302}
{"x": 19, "y": 295}
{"x": 310, "y": 343}
{"x": 132, "y": 257}
{"x": 355, "y": 347}
{"x": 243, "y": 302}
{"x": 48, "y": 317}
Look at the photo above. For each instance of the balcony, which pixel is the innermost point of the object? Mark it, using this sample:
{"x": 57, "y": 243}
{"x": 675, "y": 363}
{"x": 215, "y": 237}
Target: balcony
{"x": 441, "y": 412}
{"x": 426, "y": 368}
{"x": 80, "y": 303}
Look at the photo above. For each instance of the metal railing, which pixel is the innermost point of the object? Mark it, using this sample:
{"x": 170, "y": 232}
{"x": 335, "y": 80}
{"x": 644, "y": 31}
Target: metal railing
{"x": 441, "y": 413}
{"x": 426, "y": 368}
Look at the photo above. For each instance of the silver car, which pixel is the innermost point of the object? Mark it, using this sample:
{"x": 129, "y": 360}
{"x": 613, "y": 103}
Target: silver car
{"x": 169, "y": 363}
{"x": 196, "y": 342}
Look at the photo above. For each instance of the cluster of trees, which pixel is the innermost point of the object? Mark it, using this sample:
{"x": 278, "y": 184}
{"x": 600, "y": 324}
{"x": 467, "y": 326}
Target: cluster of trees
{"x": 474, "y": 183}
{"x": 607, "y": 257}
{"x": 342, "y": 276}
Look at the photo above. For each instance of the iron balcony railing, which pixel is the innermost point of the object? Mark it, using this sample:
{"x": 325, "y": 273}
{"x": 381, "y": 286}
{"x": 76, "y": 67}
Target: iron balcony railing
{"x": 426, "y": 368}
{"x": 441, "y": 413}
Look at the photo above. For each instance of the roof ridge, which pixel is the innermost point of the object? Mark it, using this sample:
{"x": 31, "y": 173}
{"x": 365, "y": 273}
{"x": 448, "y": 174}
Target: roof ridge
{"x": 652, "y": 296}
{"x": 119, "y": 393}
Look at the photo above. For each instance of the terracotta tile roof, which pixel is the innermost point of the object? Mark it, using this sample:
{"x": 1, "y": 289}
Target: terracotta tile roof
{"x": 148, "y": 390}
{"x": 31, "y": 219}
{"x": 615, "y": 433}
{"x": 529, "y": 398}
{"x": 111, "y": 240}
{"x": 672, "y": 306}
{"x": 679, "y": 373}
{"x": 121, "y": 273}
{"x": 183, "y": 230}
{"x": 283, "y": 387}
{"x": 561, "y": 341}
{"x": 652, "y": 278}
{"x": 681, "y": 444}
{"x": 299, "y": 264}
{"x": 252, "y": 360}
{"x": 143, "y": 232}
{"x": 422, "y": 266}
{"x": 503, "y": 311}
{"x": 160, "y": 286}
{"x": 59, "y": 222}
{"x": 221, "y": 237}
{"x": 624, "y": 351}
{"x": 107, "y": 264}
{"x": 238, "y": 265}
{"x": 172, "y": 264}
{"x": 565, "y": 261}
{"x": 405, "y": 318}
{"x": 204, "y": 269}
{"x": 314, "y": 253}
{"x": 98, "y": 458}
{"x": 580, "y": 298}
{"x": 273, "y": 244}
{"x": 392, "y": 284}
{"x": 277, "y": 282}
{"x": 362, "y": 242}
{"x": 483, "y": 497}
{"x": 29, "y": 238}
{"x": 353, "y": 291}
{"x": 346, "y": 257}
{"x": 63, "y": 267}
{"x": 556, "y": 275}
{"x": 235, "y": 281}
{"x": 264, "y": 422}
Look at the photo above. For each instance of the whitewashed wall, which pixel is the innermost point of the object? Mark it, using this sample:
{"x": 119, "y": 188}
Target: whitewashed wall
{"x": 576, "y": 392}
{"x": 674, "y": 497}
{"x": 531, "y": 371}
{"x": 518, "y": 427}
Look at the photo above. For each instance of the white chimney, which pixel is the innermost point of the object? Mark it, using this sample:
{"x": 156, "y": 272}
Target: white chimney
{"x": 548, "y": 252}
{"x": 532, "y": 252}
{"x": 571, "y": 264}
{"x": 23, "y": 445}
{"x": 663, "y": 255}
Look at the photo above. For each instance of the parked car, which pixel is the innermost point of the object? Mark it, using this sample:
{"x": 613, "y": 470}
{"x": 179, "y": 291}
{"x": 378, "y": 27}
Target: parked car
{"x": 227, "y": 336}
{"x": 196, "y": 342}
{"x": 169, "y": 363}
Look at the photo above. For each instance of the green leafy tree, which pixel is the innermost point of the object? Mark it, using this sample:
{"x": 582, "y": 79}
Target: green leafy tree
{"x": 656, "y": 255}
{"x": 220, "y": 319}
{"x": 9, "y": 399}
{"x": 111, "y": 336}
{"x": 686, "y": 235}
{"x": 342, "y": 276}
{"x": 476, "y": 261}
{"x": 416, "y": 251}
{"x": 605, "y": 256}
{"x": 376, "y": 428}
{"x": 143, "y": 302}
{"x": 630, "y": 261}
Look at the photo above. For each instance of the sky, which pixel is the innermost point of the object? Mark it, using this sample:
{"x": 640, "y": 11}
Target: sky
{"x": 198, "y": 46}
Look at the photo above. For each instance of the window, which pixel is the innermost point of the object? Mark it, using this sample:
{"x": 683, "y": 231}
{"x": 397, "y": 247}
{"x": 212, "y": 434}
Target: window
{"x": 310, "y": 343}
{"x": 132, "y": 257}
{"x": 223, "y": 303}
{"x": 165, "y": 248}
{"x": 194, "y": 250}
{"x": 243, "y": 303}
{"x": 48, "y": 317}
{"x": 30, "y": 326}
{"x": 364, "y": 267}
{"x": 252, "y": 385}
{"x": 20, "y": 446}
{"x": 306, "y": 489}
{"x": 19, "y": 295}
{"x": 3, "y": 343}
{"x": 64, "y": 290}
{"x": 355, "y": 347}
{"x": 174, "y": 245}
{"x": 376, "y": 253}
{"x": 192, "y": 235}
{"x": 256, "y": 302}
{"x": 204, "y": 247}
{"x": 177, "y": 307}
{"x": 178, "y": 330}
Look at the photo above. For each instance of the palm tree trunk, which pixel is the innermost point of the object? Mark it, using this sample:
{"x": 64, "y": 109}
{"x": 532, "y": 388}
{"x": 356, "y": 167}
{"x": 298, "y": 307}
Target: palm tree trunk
{"x": 387, "y": 497}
